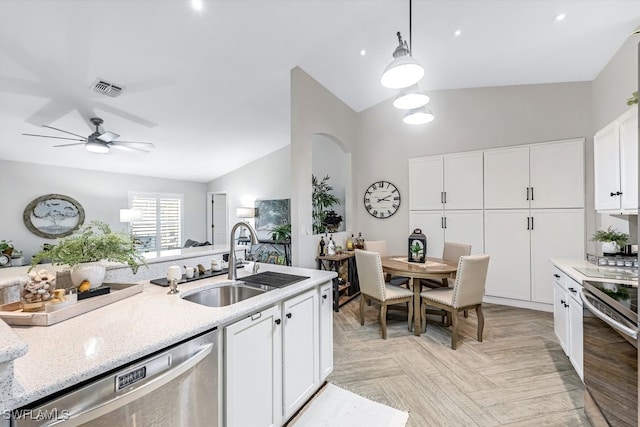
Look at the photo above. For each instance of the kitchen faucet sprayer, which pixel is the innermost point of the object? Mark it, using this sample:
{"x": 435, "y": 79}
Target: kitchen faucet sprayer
{"x": 232, "y": 247}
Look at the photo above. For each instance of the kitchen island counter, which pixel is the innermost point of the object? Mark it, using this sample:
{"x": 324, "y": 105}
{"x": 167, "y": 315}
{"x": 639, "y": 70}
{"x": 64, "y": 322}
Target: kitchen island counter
{"x": 568, "y": 266}
{"x": 65, "y": 354}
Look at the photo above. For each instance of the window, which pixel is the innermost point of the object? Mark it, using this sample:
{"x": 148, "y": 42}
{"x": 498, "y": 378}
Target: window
{"x": 161, "y": 224}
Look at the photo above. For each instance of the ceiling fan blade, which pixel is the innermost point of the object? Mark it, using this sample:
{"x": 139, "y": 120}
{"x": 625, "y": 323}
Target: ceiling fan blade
{"x": 69, "y": 145}
{"x": 108, "y": 136}
{"x": 56, "y": 137}
{"x": 63, "y": 131}
{"x": 125, "y": 148}
{"x": 150, "y": 144}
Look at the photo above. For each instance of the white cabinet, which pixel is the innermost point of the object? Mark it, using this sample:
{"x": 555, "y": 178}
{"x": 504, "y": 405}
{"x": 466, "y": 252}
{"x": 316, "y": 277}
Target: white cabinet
{"x": 326, "y": 331}
{"x": 567, "y": 317}
{"x": 548, "y": 175}
{"x": 452, "y": 181}
{"x": 253, "y": 363}
{"x": 464, "y": 226}
{"x": 275, "y": 359}
{"x": 520, "y": 243}
{"x": 301, "y": 353}
{"x": 616, "y": 165}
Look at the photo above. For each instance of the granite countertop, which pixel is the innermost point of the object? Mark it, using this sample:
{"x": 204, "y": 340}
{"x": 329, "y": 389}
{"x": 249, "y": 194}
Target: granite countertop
{"x": 568, "y": 266}
{"x": 78, "y": 349}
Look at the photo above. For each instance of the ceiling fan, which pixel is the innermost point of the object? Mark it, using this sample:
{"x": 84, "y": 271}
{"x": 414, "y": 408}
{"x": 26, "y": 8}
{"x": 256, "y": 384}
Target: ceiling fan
{"x": 97, "y": 142}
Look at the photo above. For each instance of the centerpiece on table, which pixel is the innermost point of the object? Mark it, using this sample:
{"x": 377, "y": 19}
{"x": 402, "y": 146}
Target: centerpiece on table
{"x": 611, "y": 239}
{"x": 87, "y": 250}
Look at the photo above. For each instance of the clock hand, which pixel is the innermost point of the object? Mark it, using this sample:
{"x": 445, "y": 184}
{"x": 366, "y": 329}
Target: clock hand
{"x": 384, "y": 198}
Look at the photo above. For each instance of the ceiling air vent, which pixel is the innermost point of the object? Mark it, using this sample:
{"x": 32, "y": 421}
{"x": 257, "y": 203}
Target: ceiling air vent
{"x": 106, "y": 88}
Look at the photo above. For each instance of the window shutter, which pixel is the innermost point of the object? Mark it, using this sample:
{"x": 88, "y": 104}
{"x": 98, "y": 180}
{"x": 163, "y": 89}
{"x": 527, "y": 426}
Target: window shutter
{"x": 161, "y": 224}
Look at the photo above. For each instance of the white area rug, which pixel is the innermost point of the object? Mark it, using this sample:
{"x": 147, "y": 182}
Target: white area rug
{"x": 336, "y": 407}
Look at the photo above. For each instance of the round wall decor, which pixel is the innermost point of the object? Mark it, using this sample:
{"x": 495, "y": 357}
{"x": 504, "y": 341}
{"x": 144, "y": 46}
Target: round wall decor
{"x": 53, "y": 215}
{"x": 382, "y": 199}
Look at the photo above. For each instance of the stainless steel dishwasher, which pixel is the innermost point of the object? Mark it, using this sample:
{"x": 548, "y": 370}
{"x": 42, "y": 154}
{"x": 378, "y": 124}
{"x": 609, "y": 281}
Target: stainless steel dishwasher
{"x": 175, "y": 387}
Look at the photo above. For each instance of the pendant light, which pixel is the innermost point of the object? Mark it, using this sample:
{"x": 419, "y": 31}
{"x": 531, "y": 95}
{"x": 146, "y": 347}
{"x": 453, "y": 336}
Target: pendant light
{"x": 404, "y": 70}
{"x": 410, "y": 98}
{"x": 418, "y": 116}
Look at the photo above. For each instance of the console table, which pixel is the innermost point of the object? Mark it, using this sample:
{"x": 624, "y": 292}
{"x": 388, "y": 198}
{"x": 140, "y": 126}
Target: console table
{"x": 342, "y": 293}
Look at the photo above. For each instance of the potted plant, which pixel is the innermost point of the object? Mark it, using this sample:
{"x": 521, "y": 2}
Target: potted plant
{"x": 6, "y": 247}
{"x": 281, "y": 233}
{"x": 86, "y": 250}
{"x": 416, "y": 250}
{"x": 322, "y": 199}
{"x": 611, "y": 239}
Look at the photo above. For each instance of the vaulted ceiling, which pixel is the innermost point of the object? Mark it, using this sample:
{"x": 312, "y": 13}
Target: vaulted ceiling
{"x": 211, "y": 88}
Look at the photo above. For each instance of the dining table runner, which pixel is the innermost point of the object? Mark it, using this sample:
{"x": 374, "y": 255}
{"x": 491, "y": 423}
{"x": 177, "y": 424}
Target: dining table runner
{"x": 426, "y": 264}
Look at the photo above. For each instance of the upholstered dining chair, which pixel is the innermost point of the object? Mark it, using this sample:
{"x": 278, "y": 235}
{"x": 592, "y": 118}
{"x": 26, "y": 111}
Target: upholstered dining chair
{"x": 373, "y": 286}
{"x": 380, "y": 246}
{"x": 466, "y": 294}
{"x": 451, "y": 252}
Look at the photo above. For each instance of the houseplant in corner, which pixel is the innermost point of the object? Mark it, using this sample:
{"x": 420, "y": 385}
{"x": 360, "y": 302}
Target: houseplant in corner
{"x": 86, "y": 251}
{"x": 322, "y": 199}
{"x": 611, "y": 239}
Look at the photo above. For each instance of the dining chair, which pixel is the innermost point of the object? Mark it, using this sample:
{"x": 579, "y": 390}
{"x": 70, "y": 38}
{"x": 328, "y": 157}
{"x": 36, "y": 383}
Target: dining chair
{"x": 466, "y": 294}
{"x": 380, "y": 246}
{"x": 451, "y": 252}
{"x": 373, "y": 286}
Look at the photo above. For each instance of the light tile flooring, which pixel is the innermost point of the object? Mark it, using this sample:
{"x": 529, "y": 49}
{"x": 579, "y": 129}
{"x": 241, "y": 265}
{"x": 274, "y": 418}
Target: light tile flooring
{"x": 519, "y": 375}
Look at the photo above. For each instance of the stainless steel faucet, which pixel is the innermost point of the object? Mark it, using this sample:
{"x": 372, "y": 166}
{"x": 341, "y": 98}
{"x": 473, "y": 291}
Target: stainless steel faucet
{"x": 232, "y": 247}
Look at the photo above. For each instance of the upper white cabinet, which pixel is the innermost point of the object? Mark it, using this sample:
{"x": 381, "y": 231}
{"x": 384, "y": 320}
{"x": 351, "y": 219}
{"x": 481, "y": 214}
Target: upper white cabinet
{"x": 616, "y": 165}
{"x": 548, "y": 175}
{"x": 452, "y": 181}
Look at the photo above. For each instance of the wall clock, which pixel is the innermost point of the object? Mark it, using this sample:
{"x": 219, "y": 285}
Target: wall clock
{"x": 382, "y": 199}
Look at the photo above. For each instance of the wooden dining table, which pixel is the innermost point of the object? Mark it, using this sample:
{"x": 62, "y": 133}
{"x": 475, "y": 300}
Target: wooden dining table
{"x": 433, "y": 268}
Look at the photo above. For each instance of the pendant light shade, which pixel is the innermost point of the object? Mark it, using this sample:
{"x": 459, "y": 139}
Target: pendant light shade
{"x": 404, "y": 70}
{"x": 410, "y": 98}
{"x": 418, "y": 116}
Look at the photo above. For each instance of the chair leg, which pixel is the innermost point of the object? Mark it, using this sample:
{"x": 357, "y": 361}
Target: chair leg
{"x": 369, "y": 302}
{"x": 466, "y": 313}
{"x": 383, "y": 319}
{"x": 480, "y": 322}
{"x": 454, "y": 330}
{"x": 410, "y": 316}
{"x": 361, "y": 309}
{"x": 423, "y": 313}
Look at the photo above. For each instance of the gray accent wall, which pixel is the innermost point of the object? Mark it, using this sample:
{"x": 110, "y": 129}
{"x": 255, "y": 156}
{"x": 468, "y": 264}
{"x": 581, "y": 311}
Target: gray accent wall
{"x": 101, "y": 194}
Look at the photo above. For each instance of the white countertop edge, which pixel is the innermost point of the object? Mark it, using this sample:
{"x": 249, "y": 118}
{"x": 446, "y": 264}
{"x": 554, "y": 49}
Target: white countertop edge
{"x": 12, "y": 345}
{"x": 567, "y": 266}
{"x": 36, "y": 378}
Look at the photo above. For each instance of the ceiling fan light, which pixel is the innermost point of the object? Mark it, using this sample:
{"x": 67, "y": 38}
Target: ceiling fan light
{"x": 411, "y": 98}
{"x": 402, "y": 72}
{"x": 97, "y": 147}
{"x": 418, "y": 116}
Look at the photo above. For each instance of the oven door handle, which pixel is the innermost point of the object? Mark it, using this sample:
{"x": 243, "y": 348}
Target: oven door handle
{"x": 633, "y": 333}
{"x": 103, "y": 408}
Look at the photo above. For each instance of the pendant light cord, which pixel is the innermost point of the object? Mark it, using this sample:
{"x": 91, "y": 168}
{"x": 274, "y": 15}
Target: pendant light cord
{"x": 410, "y": 39}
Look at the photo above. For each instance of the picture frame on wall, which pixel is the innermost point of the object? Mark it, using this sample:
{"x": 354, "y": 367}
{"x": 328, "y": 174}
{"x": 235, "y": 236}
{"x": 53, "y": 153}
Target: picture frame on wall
{"x": 53, "y": 215}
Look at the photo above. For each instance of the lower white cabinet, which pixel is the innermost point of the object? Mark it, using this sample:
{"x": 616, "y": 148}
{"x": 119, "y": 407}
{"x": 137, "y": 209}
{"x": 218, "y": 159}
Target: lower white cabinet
{"x": 276, "y": 359}
{"x": 567, "y": 318}
{"x": 459, "y": 226}
{"x": 326, "y": 330}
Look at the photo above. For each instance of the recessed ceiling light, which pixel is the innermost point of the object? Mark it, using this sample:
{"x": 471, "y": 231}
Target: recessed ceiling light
{"x": 561, "y": 16}
{"x": 197, "y": 5}
{"x": 363, "y": 52}
{"x": 457, "y": 32}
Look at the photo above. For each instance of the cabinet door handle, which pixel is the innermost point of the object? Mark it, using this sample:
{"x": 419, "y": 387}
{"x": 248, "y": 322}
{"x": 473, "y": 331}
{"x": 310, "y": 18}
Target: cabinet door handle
{"x": 442, "y": 197}
{"x": 528, "y": 224}
{"x": 572, "y": 290}
{"x": 618, "y": 193}
{"x": 256, "y": 316}
{"x": 445, "y": 222}
{"x": 531, "y": 193}
{"x": 532, "y": 221}
{"x": 277, "y": 321}
{"x": 527, "y": 193}
{"x": 288, "y": 315}
{"x": 557, "y": 276}
{"x": 324, "y": 296}
{"x": 561, "y": 301}
{"x": 566, "y": 306}
{"x": 441, "y": 222}
{"x": 445, "y": 197}
{"x": 612, "y": 194}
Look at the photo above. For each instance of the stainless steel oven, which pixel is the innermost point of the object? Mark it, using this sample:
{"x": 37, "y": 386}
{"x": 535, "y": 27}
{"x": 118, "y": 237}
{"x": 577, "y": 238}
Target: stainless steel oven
{"x": 175, "y": 387}
{"x": 611, "y": 353}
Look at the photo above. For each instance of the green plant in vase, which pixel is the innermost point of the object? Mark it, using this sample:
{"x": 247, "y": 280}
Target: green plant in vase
{"x": 281, "y": 233}
{"x": 416, "y": 251}
{"x": 322, "y": 200}
{"x": 6, "y": 247}
{"x": 611, "y": 239}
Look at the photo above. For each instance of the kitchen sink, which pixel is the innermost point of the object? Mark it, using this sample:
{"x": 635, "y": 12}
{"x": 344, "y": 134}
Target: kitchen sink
{"x": 216, "y": 295}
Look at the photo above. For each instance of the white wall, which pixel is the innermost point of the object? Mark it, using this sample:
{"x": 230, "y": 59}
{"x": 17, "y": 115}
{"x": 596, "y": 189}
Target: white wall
{"x": 101, "y": 194}
{"x": 466, "y": 119}
{"x": 615, "y": 83}
{"x": 266, "y": 178}
{"x": 315, "y": 110}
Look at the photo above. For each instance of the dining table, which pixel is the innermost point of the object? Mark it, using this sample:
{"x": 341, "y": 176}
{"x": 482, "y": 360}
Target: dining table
{"x": 432, "y": 268}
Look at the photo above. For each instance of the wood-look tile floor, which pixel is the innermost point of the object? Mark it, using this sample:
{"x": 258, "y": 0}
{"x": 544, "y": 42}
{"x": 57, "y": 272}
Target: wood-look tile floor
{"x": 518, "y": 375}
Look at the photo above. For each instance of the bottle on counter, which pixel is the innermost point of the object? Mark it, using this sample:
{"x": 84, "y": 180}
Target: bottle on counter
{"x": 322, "y": 245}
{"x": 331, "y": 246}
{"x": 350, "y": 243}
{"x": 360, "y": 241}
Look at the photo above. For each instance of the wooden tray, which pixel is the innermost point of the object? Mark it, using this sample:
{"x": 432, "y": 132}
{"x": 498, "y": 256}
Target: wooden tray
{"x": 12, "y": 313}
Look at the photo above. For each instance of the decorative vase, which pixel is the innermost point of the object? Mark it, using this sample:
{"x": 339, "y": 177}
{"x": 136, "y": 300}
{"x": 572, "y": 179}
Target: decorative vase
{"x": 610, "y": 248}
{"x": 92, "y": 271}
